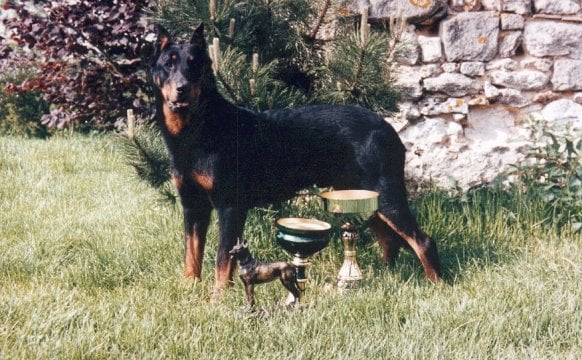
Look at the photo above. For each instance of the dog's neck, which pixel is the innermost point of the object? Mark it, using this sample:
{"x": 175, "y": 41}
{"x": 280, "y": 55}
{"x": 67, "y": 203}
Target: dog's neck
{"x": 245, "y": 258}
{"x": 188, "y": 122}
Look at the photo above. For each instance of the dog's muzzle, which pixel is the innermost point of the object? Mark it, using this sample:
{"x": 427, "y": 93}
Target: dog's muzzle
{"x": 178, "y": 105}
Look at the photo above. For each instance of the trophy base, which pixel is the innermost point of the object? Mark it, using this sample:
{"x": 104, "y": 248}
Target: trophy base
{"x": 350, "y": 276}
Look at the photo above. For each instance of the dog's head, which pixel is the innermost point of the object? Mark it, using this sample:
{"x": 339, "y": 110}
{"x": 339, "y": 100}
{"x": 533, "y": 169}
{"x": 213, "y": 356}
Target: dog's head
{"x": 240, "y": 251}
{"x": 179, "y": 71}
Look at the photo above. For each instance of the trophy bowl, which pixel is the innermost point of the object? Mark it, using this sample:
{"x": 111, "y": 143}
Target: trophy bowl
{"x": 302, "y": 237}
{"x": 353, "y": 202}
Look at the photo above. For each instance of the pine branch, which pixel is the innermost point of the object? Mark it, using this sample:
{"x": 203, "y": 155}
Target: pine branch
{"x": 227, "y": 87}
{"x": 358, "y": 73}
{"x": 146, "y": 153}
{"x": 319, "y": 22}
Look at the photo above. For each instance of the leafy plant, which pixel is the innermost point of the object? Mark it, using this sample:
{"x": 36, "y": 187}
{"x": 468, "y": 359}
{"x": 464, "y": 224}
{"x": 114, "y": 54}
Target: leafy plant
{"x": 20, "y": 113}
{"x": 144, "y": 150}
{"x": 553, "y": 168}
{"x": 89, "y": 54}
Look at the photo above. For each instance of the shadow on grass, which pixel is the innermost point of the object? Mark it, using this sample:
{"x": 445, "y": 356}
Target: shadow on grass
{"x": 478, "y": 229}
{"x": 481, "y": 228}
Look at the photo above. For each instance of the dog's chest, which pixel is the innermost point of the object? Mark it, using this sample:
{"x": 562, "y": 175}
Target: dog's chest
{"x": 246, "y": 272}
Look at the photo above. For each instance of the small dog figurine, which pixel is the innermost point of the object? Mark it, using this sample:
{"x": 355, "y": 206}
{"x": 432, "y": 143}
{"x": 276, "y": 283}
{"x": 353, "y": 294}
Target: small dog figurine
{"x": 253, "y": 272}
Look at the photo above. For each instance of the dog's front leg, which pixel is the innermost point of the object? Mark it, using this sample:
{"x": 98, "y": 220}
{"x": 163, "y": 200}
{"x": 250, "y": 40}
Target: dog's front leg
{"x": 231, "y": 221}
{"x": 250, "y": 293}
{"x": 196, "y": 222}
{"x": 196, "y": 208}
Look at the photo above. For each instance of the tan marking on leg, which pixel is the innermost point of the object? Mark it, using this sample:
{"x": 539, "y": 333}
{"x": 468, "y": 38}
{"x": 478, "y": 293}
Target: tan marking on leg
{"x": 194, "y": 251}
{"x": 223, "y": 279}
{"x": 413, "y": 243}
{"x": 377, "y": 227}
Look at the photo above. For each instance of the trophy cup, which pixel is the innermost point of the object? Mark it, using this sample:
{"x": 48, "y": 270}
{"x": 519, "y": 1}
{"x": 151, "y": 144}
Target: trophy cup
{"x": 352, "y": 208}
{"x": 301, "y": 238}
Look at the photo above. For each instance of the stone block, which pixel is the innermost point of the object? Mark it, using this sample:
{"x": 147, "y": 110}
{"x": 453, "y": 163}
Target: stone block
{"x": 412, "y": 10}
{"x": 470, "y": 36}
{"x": 474, "y": 68}
{"x": 512, "y": 97}
{"x": 451, "y": 67}
{"x": 553, "y": 38}
{"x": 479, "y": 101}
{"x": 516, "y": 6}
{"x": 560, "y": 7}
{"x": 502, "y": 64}
{"x": 409, "y": 53}
{"x": 465, "y": 5}
{"x": 450, "y": 106}
{"x": 408, "y": 80}
{"x": 490, "y": 91}
{"x": 522, "y": 79}
{"x": 510, "y": 42}
{"x": 512, "y": 21}
{"x": 430, "y": 70}
{"x": 452, "y": 84}
{"x": 430, "y": 48}
{"x": 567, "y": 75}
{"x": 544, "y": 64}
{"x": 564, "y": 112}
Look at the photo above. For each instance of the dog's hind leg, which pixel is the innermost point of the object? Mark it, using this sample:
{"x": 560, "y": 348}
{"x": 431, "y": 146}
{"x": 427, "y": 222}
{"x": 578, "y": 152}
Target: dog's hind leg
{"x": 394, "y": 212}
{"x": 403, "y": 224}
{"x": 389, "y": 240}
{"x": 290, "y": 282}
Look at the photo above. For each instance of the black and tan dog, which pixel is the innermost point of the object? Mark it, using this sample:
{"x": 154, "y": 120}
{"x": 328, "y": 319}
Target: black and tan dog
{"x": 252, "y": 272}
{"x": 232, "y": 159}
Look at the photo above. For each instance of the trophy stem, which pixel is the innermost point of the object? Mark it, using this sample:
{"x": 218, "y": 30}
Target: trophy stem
{"x": 301, "y": 264}
{"x": 350, "y": 275}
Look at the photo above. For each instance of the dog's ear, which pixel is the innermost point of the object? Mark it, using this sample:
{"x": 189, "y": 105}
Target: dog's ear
{"x": 198, "y": 36}
{"x": 164, "y": 39}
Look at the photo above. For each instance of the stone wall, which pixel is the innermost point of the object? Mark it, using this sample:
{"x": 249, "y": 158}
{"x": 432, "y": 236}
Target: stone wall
{"x": 473, "y": 70}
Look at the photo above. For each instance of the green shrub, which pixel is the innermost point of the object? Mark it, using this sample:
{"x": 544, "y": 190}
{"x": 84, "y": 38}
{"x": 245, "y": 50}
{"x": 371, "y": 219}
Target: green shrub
{"x": 552, "y": 170}
{"x": 20, "y": 113}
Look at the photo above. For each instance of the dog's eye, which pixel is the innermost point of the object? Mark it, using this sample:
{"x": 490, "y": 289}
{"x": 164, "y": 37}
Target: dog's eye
{"x": 170, "y": 61}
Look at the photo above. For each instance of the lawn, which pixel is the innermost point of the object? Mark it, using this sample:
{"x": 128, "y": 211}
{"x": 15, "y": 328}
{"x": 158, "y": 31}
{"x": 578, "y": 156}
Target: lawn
{"x": 90, "y": 267}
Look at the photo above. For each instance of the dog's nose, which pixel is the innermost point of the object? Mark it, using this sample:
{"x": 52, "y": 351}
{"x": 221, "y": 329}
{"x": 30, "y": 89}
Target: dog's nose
{"x": 182, "y": 89}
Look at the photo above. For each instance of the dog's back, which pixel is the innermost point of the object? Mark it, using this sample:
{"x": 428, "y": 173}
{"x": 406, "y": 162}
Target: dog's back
{"x": 325, "y": 145}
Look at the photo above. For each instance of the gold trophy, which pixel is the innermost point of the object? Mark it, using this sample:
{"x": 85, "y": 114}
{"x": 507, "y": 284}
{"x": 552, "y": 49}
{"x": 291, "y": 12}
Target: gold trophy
{"x": 352, "y": 208}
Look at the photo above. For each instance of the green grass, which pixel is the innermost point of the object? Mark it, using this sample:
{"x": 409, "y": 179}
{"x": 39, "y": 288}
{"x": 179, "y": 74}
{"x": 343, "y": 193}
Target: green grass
{"x": 90, "y": 267}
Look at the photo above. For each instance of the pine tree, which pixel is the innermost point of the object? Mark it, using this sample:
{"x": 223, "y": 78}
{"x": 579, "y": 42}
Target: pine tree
{"x": 266, "y": 55}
